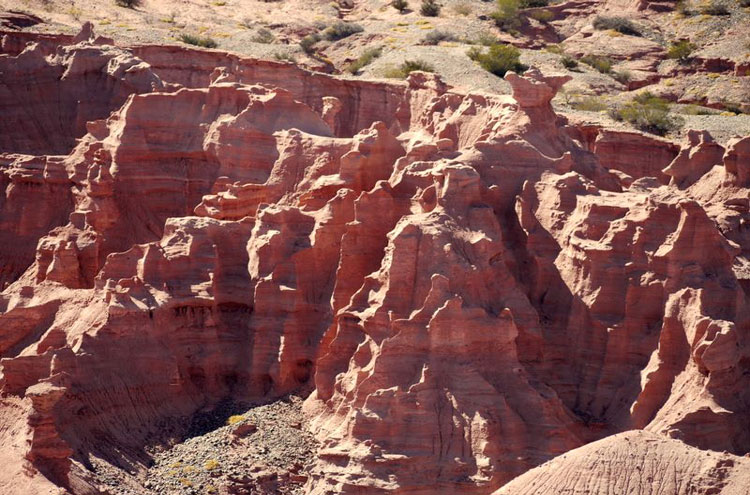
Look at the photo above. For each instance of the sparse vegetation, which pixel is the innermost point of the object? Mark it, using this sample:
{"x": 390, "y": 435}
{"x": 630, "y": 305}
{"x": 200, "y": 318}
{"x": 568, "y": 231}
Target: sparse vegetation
{"x": 237, "y": 418}
{"x": 681, "y": 50}
{"x": 569, "y": 62}
{"x": 483, "y": 38}
{"x": 648, "y": 113}
{"x": 506, "y": 15}
{"x": 622, "y": 76}
{"x": 588, "y": 103}
{"x": 600, "y": 63}
{"x": 435, "y": 37}
{"x": 543, "y": 15}
{"x": 695, "y": 110}
{"x": 429, "y": 8}
{"x": 308, "y": 43}
{"x": 713, "y": 7}
{"x": 264, "y": 36}
{"x": 465, "y": 8}
{"x": 400, "y": 5}
{"x": 285, "y": 57}
{"x": 407, "y": 67}
{"x": 498, "y": 59}
{"x": 211, "y": 464}
{"x": 619, "y": 24}
{"x": 130, "y": 4}
{"x": 683, "y": 9}
{"x": 733, "y": 107}
{"x": 204, "y": 41}
{"x": 366, "y": 58}
{"x": 341, "y": 30}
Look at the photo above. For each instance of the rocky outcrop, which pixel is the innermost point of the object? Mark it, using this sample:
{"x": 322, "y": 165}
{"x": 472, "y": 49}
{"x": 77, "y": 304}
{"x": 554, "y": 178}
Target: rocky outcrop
{"x": 462, "y": 289}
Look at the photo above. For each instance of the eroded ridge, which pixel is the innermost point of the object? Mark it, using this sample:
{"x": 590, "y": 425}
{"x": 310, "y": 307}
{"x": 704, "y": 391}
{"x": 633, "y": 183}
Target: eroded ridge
{"x": 463, "y": 284}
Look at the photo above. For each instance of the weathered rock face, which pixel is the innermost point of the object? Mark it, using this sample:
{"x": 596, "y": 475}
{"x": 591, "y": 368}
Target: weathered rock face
{"x": 463, "y": 289}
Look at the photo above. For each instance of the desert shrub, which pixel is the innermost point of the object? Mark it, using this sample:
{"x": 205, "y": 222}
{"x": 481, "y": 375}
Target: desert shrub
{"x": 619, "y": 24}
{"x": 400, "y": 5}
{"x": 506, "y": 15}
{"x": 203, "y": 41}
{"x": 285, "y": 57}
{"x": 264, "y": 36}
{"x": 588, "y": 103}
{"x": 600, "y": 63}
{"x": 731, "y": 106}
{"x": 429, "y": 8}
{"x": 713, "y": 7}
{"x": 648, "y": 113}
{"x": 308, "y": 43}
{"x": 543, "y": 15}
{"x": 554, "y": 48}
{"x": 485, "y": 38}
{"x": 407, "y": 67}
{"x": 498, "y": 59}
{"x": 691, "y": 109}
{"x": 622, "y": 76}
{"x": 465, "y": 8}
{"x": 569, "y": 62}
{"x": 130, "y": 4}
{"x": 366, "y": 58}
{"x": 683, "y": 9}
{"x": 237, "y": 418}
{"x": 211, "y": 464}
{"x": 436, "y": 36}
{"x": 681, "y": 50}
{"x": 341, "y": 30}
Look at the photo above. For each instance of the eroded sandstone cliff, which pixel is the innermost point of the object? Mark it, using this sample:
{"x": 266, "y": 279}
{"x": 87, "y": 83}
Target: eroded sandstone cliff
{"x": 465, "y": 285}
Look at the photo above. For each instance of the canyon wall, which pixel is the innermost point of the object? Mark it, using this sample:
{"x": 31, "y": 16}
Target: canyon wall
{"x": 463, "y": 284}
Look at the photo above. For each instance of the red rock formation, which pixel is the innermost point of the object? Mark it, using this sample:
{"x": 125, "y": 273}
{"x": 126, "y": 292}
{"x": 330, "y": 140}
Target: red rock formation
{"x": 466, "y": 291}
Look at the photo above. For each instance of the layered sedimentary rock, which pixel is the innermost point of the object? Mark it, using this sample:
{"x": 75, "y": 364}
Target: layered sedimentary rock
{"x": 636, "y": 462}
{"x": 465, "y": 290}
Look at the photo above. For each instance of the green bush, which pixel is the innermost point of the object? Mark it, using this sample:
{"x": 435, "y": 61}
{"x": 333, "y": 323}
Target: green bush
{"x": 264, "y": 36}
{"x": 619, "y": 24}
{"x": 436, "y": 36}
{"x": 506, "y": 15}
{"x": 406, "y": 68}
{"x": 400, "y": 5}
{"x": 205, "y": 42}
{"x": 498, "y": 59}
{"x": 429, "y": 8}
{"x": 681, "y": 50}
{"x": 569, "y": 62}
{"x": 130, "y": 4}
{"x": 648, "y": 113}
{"x": 341, "y": 30}
{"x": 602, "y": 64}
{"x": 365, "y": 59}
